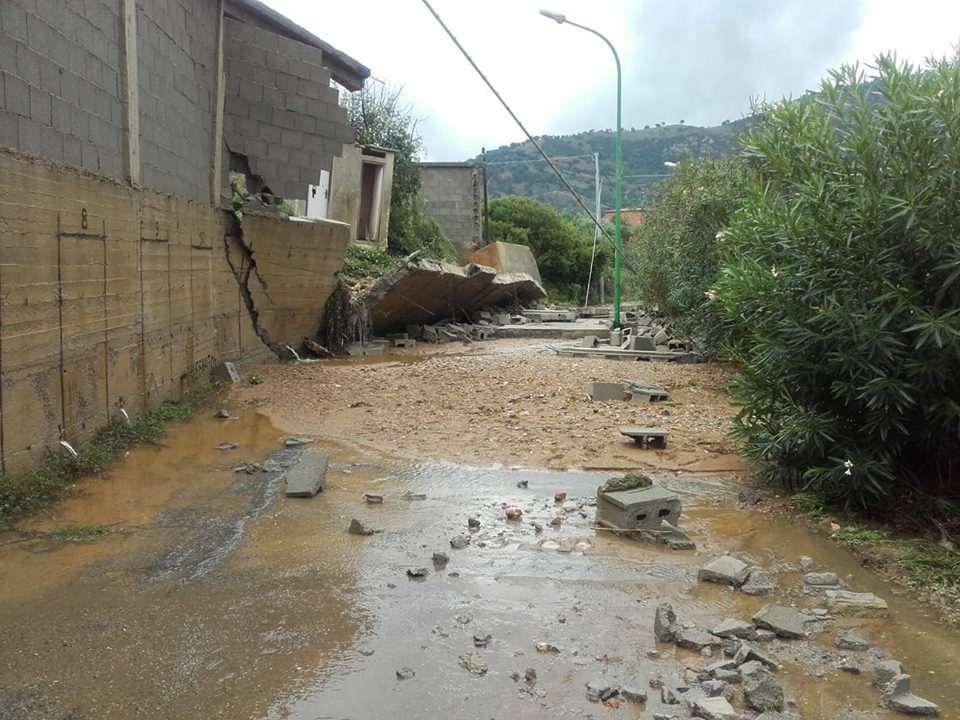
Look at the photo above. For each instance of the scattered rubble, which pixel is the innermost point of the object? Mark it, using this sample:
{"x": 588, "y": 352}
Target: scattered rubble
{"x": 474, "y": 663}
{"x": 786, "y": 622}
{"x": 760, "y": 689}
{"x": 900, "y": 698}
{"x": 844, "y": 602}
{"x": 735, "y": 628}
{"x": 850, "y": 641}
{"x": 725, "y": 570}
{"x": 224, "y": 415}
{"x": 713, "y": 708}
{"x": 758, "y": 583}
{"x": 600, "y": 690}
{"x": 308, "y": 476}
{"x": 358, "y": 528}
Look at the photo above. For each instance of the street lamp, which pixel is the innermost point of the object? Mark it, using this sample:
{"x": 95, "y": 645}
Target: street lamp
{"x": 618, "y": 185}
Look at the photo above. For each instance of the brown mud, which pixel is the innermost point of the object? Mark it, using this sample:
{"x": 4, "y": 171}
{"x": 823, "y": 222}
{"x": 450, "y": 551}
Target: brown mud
{"x": 217, "y": 597}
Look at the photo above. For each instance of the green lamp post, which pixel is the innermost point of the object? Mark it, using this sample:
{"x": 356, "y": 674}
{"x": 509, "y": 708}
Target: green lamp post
{"x": 618, "y": 189}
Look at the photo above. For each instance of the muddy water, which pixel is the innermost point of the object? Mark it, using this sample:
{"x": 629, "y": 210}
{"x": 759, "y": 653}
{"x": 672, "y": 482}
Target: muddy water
{"x": 218, "y": 597}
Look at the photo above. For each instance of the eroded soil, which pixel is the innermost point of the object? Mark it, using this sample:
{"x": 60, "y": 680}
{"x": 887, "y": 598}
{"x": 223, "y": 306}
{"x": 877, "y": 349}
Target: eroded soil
{"x": 218, "y": 597}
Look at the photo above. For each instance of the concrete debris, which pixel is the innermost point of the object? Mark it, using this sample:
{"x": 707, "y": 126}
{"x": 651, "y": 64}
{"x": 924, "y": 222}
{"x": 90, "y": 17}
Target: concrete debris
{"x": 373, "y": 498}
{"x": 474, "y": 663}
{"x": 523, "y": 484}
{"x": 647, "y": 437}
{"x": 725, "y": 570}
{"x": 713, "y": 708}
{"x": 227, "y": 446}
{"x": 440, "y": 560}
{"x": 600, "y": 690}
{"x": 417, "y": 572}
{"x": 665, "y": 625}
{"x": 513, "y": 513}
{"x": 806, "y": 563}
{"x": 735, "y": 628}
{"x": 884, "y": 672}
{"x": 786, "y": 622}
{"x": 292, "y": 442}
{"x": 675, "y": 538}
{"x": 481, "y": 638}
{"x": 843, "y": 602}
{"x": 633, "y": 694}
{"x": 358, "y": 528}
{"x": 537, "y": 527}
{"x": 545, "y": 648}
{"x": 473, "y": 522}
{"x": 459, "y": 542}
{"x": 900, "y": 698}
{"x": 308, "y": 476}
{"x": 225, "y": 373}
{"x": 249, "y": 468}
{"x": 530, "y": 675}
{"x": 748, "y": 652}
{"x": 717, "y": 688}
{"x": 758, "y": 583}
{"x": 695, "y": 639}
{"x": 405, "y": 673}
{"x": 639, "y": 508}
{"x": 851, "y": 641}
{"x": 822, "y": 580}
{"x": 605, "y": 391}
{"x": 224, "y": 415}
{"x": 761, "y": 691}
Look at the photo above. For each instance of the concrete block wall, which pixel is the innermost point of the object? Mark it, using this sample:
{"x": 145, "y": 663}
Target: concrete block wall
{"x": 279, "y": 109}
{"x": 450, "y": 196}
{"x": 60, "y": 81}
{"x": 176, "y": 68}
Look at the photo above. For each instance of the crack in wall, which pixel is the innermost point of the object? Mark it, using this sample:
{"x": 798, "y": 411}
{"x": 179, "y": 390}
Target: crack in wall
{"x": 242, "y": 275}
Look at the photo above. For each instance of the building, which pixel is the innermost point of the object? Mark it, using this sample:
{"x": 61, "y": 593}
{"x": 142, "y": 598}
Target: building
{"x": 126, "y": 271}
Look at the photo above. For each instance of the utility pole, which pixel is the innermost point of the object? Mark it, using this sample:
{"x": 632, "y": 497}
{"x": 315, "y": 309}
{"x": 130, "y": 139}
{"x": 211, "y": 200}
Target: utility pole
{"x": 486, "y": 204}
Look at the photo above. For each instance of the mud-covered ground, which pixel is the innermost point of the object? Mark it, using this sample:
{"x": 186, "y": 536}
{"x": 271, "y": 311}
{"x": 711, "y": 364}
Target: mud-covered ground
{"x": 215, "y": 596}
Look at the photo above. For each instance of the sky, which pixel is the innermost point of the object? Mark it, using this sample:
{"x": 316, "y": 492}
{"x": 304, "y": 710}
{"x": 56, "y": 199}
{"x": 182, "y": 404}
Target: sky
{"x": 700, "y": 61}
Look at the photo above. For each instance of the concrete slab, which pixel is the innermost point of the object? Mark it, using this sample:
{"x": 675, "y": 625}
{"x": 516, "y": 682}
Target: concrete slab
{"x": 226, "y": 373}
{"x": 556, "y": 330}
{"x": 639, "y": 508}
{"x": 616, "y": 353}
{"x": 605, "y": 391}
{"x": 308, "y": 476}
{"x": 642, "y": 342}
{"x": 653, "y": 437}
{"x": 545, "y": 316}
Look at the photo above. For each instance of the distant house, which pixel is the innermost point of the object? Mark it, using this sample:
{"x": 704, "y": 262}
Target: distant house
{"x": 629, "y": 218}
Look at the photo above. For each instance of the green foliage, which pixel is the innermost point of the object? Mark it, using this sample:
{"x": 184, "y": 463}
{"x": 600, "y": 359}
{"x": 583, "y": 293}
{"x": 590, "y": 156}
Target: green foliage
{"x": 80, "y": 533}
{"x": 675, "y": 249}
{"x": 841, "y": 277}
{"x": 20, "y": 494}
{"x": 562, "y": 245}
{"x": 365, "y": 262}
{"x": 415, "y": 230}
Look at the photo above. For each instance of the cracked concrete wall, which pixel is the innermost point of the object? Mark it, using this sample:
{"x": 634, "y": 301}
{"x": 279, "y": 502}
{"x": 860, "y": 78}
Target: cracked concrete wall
{"x": 116, "y": 297}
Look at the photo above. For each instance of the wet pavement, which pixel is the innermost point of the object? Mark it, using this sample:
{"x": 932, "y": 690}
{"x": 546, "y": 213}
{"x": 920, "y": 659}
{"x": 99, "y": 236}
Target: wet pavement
{"x": 215, "y": 596}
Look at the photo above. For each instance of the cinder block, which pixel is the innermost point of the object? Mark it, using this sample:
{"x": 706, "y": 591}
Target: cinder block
{"x": 274, "y": 98}
{"x": 286, "y": 82}
{"x": 605, "y": 392}
{"x": 28, "y": 134}
{"x": 307, "y": 125}
{"x": 270, "y": 133}
{"x": 16, "y": 95}
{"x": 51, "y": 144}
{"x": 640, "y": 508}
{"x": 89, "y": 156}
{"x": 71, "y": 151}
{"x": 262, "y": 113}
{"x": 276, "y": 61}
{"x": 13, "y": 20}
{"x": 251, "y": 91}
{"x": 284, "y": 118}
{"x": 277, "y": 153}
{"x": 9, "y": 132}
{"x": 28, "y": 64}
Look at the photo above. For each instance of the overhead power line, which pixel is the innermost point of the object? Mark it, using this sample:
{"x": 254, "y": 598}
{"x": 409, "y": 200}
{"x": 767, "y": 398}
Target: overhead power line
{"x": 532, "y": 139}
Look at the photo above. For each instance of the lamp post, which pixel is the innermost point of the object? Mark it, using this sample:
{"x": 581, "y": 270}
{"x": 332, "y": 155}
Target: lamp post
{"x": 618, "y": 189}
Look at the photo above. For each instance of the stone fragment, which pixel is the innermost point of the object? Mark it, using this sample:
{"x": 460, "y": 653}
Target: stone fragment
{"x": 473, "y": 522}
{"x": 759, "y": 583}
{"x": 900, "y": 698}
{"x": 308, "y": 476}
{"x": 513, "y": 513}
{"x": 227, "y": 446}
{"x": 786, "y": 622}
{"x": 292, "y": 442}
{"x": 225, "y": 373}
{"x": 605, "y": 391}
{"x": 665, "y": 623}
{"x": 748, "y": 652}
{"x": 885, "y": 671}
{"x": 844, "y": 602}
{"x": 413, "y": 496}
{"x": 523, "y": 484}
{"x": 824, "y": 579}
{"x": 850, "y": 641}
{"x": 713, "y": 708}
{"x": 405, "y": 673}
{"x": 481, "y": 638}
{"x": 725, "y": 570}
{"x": 530, "y": 675}
{"x": 373, "y": 498}
{"x": 675, "y": 538}
{"x": 695, "y": 639}
{"x": 559, "y": 497}
{"x": 764, "y": 635}
{"x": 727, "y": 676}
{"x": 358, "y": 528}
{"x": 732, "y": 627}
{"x": 223, "y": 415}
{"x": 459, "y": 542}
{"x": 761, "y": 691}
{"x": 600, "y": 690}
{"x": 440, "y": 560}
{"x": 474, "y": 663}
{"x": 633, "y": 694}
{"x": 417, "y": 572}
{"x": 806, "y": 562}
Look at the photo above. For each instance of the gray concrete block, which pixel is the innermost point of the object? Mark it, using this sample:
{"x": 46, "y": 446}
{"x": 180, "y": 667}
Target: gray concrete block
{"x": 639, "y": 508}
{"x": 307, "y": 125}
{"x": 251, "y": 91}
{"x": 51, "y": 143}
{"x": 291, "y": 139}
{"x": 71, "y": 151}
{"x": 16, "y": 95}
{"x": 28, "y": 65}
{"x": 286, "y": 82}
{"x": 13, "y": 20}
{"x": 60, "y": 115}
{"x": 605, "y": 392}
{"x": 269, "y": 133}
{"x": 308, "y": 476}
{"x": 262, "y": 113}
{"x": 28, "y": 135}
{"x": 9, "y": 131}
{"x": 90, "y": 156}
{"x": 277, "y": 153}
{"x": 278, "y": 62}
{"x": 284, "y": 118}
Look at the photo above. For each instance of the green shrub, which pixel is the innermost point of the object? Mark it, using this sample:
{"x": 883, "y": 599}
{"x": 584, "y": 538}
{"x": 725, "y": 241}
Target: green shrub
{"x": 411, "y": 229}
{"x": 841, "y": 278}
{"x": 365, "y": 262}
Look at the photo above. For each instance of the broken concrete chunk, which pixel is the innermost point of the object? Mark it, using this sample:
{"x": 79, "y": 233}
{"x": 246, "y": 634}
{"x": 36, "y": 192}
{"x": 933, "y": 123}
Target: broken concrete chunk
{"x": 665, "y": 623}
{"x": 824, "y": 579}
{"x": 759, "y": 583}
{"x": 417, "y": 572}
{"x": 786, "y": 622}
{"x": 725, "y": 570}
{"x": 900, "y": 698}
{"x": 675, "y": 538}
{"x": 358, "y": 528}
{"x": 648, "y": 437}
{"x": 605, "y": 391}
{"x": 373, "y": 498}
{"x": 761, "y": 691}
{"x": 850, "y": 641}
{"x": 633, "y": 694}
{"x": 735, "y": 628}
{"x": 639, "y": 508}
{"x": 405, "y": 673}
{"x": 600, "y": 690}
{"x": 481, "y": 638}
{"x": 474, "y": 663}
{"x": 713, "y": 708}
{"x": 440, "y": 560}
{"x": 695, "y": 639}
{"x": 747, "y": 652}
{"x": 227, "y": 446}
{"x": 459, "y": 542}
{"x": 297, "y": 441}
{"x": 885, "y": 671}
{"x": 844, "y": 602}
{"x": 308, "y": 476}
{"x": 225, "y": 373}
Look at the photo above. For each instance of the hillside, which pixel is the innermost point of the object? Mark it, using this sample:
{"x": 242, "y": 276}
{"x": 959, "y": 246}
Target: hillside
{"x": 518, "y": 169}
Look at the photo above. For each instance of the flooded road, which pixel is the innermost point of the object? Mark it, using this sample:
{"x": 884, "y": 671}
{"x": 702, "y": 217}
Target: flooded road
{"x": 217, "y": 597}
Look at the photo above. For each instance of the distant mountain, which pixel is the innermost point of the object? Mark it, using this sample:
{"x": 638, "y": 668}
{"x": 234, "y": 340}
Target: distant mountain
{"x": 518, "y": 169}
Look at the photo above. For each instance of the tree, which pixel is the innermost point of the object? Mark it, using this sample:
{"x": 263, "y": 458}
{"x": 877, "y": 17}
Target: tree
{"x": 841, "y": 278}
{"x": 561, "y": 244}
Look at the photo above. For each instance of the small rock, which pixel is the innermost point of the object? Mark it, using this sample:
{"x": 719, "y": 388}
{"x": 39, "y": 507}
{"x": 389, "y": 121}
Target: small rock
{"x": 761, "y": 691}
{"x": 537, "y": 527}
{"x": 559, "y": 496}
{"x": 725, "y": 570}
{"x": 850, "y": 641}
{"x": 633, "y": 694}
{"x": 822, "y": 579}
{"x": 885, "y": 671}
{"x": 665, "y": 623}
{"x": 223, "y": 415}
{"x": 764, "y": 635}
{"x": 523, "y": 484}
{"x": 227, "y": 446}
{"x": 569, "y": 506}
{"x": 373, "y": 498}
{"x": 806, "y": 562}
{"x": 557, "y": 521}
{"x": 713, "y": 708}
{"x": 599, "y": 691}
{"x": 786, "y": 622}
{"x": 851, "y": 666}
{"x": 727, "y": 676}
{"x": 405, "y": 673}
{"x": 413, "y": 496}
{"x": 545, "y": 647}
{"x": 365, "y": 651}
{"x": 513, "y": 513}
{"x": 747, "y": 652}
{"x": 530, "y": 675}
{"x": 297, "y": 441}
{"x": 675, "y": 538}
{"x": 417, "y": 572}
{"x": 695, "y": 639}
{"x": 440, "y": 559}
{"x": 459, "y": 542}
{"x": 735, "y": 628}
{"x": 900, "y": 698}
{"x": 481, "y": 638}
{"x": 749, "y": 496}
{"x": 759, "y": 583}
{"x": 473, "y": 522}
{"x": 358, "y": 528}
{"x": 843, "y": 602}
{"x": 474, "y": 663}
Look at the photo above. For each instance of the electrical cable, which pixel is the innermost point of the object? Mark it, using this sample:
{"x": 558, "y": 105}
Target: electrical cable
{"x": 533, "y": 140}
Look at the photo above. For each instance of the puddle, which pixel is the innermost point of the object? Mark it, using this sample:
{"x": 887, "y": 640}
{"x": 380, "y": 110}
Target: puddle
{"x": 219, "y": 597}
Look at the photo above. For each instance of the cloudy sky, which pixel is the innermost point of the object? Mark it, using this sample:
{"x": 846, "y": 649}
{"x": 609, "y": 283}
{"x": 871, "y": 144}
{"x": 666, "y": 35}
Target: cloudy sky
{"x": 696, "y": 60}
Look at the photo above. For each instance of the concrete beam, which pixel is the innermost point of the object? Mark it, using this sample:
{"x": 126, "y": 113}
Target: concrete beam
{"x": 131, "y": 91}
{"x": 219, "y": 84}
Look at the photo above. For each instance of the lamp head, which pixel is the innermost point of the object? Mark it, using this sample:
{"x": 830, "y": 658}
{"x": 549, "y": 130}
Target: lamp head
{"x": 670, "y": 164}
{"x": 557, "y": 17}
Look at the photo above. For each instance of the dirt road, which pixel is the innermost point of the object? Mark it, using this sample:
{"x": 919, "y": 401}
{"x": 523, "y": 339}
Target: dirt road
{"x": 217, "y": 597}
